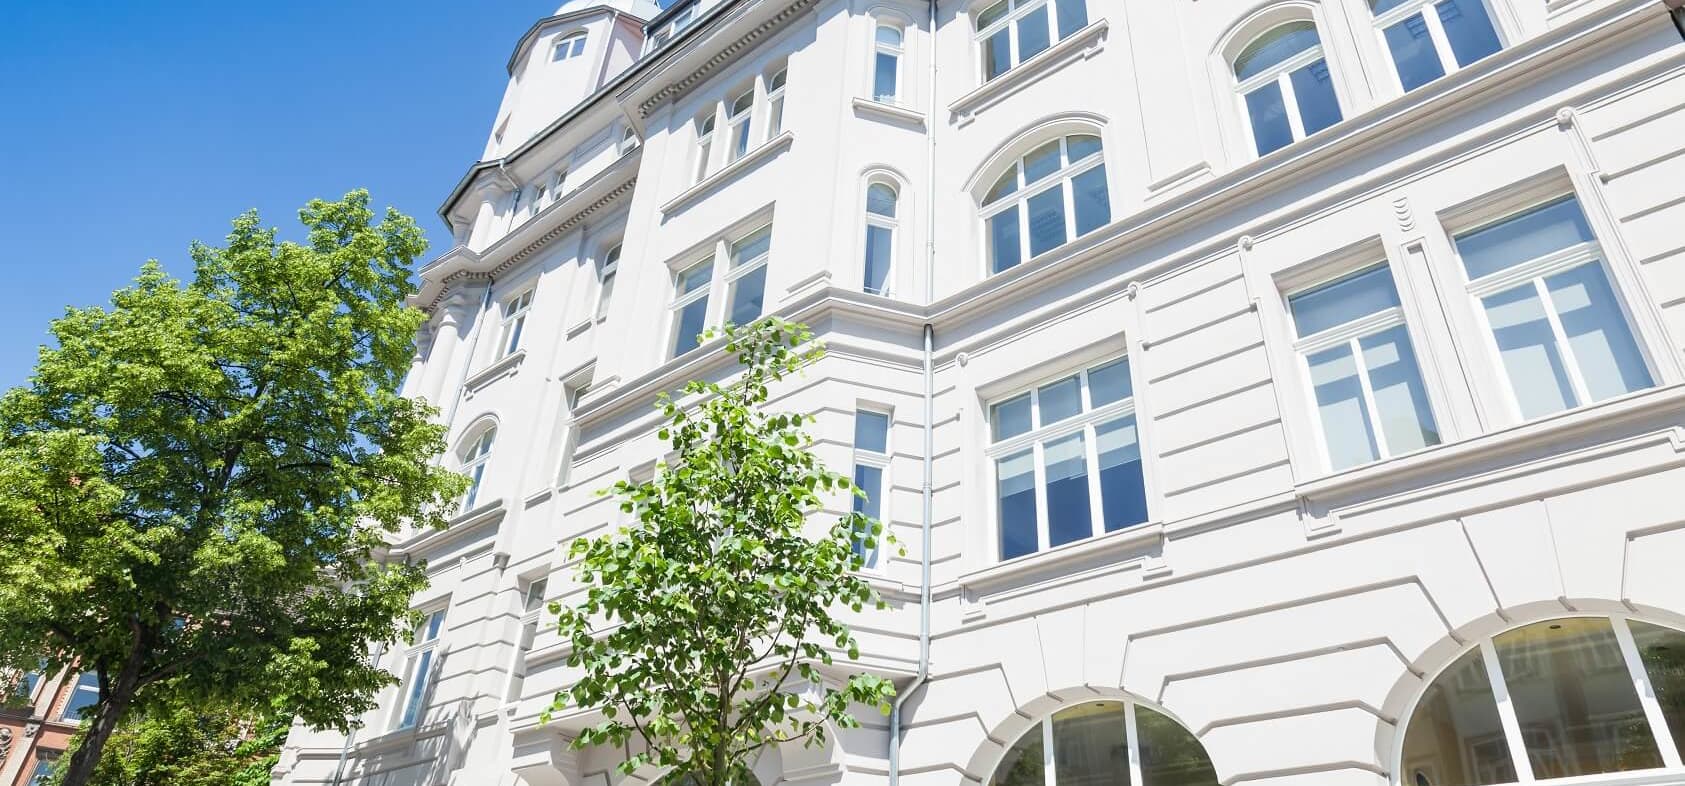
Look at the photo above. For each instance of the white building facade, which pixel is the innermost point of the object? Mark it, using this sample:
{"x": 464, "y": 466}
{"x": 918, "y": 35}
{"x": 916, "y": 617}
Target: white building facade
{"x": 1264, "y": 391}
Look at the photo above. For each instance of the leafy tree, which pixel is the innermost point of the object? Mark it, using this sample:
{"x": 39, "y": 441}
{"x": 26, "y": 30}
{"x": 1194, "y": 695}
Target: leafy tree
{"x": 704, "y": 620}
{"x": 194, "y": 481}
{"x": 180, "y": 745}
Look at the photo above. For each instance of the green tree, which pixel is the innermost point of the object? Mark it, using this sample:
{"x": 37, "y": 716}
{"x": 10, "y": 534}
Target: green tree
{"x": 180, "y": 745}
{"x": 194, "y": 481}
{"x": 703, "y": 622}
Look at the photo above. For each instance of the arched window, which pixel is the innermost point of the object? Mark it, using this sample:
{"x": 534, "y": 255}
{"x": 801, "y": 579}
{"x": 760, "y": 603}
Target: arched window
{"x": 474, "y": 455}
{"x": 1431, "y": 38}
{"x": 886, "y": 63}
{"x": 571, "y": 46}
{"x": 1103, "y": 743}
{"x": 605, "y": 280}
{"x": 1053, "y": 194}
{"x": 1555, "y": 699}
{"x": 881, "y": 222}
{"x": 704, "y": 143}
{"x": 1286, "y": 92}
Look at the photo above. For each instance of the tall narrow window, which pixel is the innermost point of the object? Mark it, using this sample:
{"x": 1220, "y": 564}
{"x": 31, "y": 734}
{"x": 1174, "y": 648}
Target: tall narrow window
{"x": 513, "y": 323}
{"x": 1012, "y": 31}
{"x": 886, "y": 64}
{"x": 628, "y": 140}
{"x": 741, "y": 272}
{"x": 1067, "y": 460}
{"x": 704, "y": 144}
{"x": 1557, "y": 326}
{"x": 871, "y": 462}
{"x": 605, "y": 280}
{"x": 881, "y": 223}
{"x": 1431, "y": 38}
{"x": 690, "y": 306}
{"x": 418, "y": 670}
{"x": 1286, "y": 92}
{"x": 739, "y": 119}
{"x": 1364, "y": 380}
{"x": 83, "y": 696}
{"x": 746, "y": 278}
{"x": 474, "y": 466}
{"x": 775, "y": 104}
{"x": 1056, "y": 192}
{"x": 569, "y": 47}
{"x": 532, "y": 606}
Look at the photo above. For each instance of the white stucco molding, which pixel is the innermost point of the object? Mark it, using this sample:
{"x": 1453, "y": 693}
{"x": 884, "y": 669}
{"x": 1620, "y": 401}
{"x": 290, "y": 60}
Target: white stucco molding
{"x": 1081, "y": 45}
{"x": 891, "y": 113}
{"x": 729, "y": 172}
{"x": 468, "y": 523}
{"x": 721, "y": 57}
{"x": 504, "y": 367}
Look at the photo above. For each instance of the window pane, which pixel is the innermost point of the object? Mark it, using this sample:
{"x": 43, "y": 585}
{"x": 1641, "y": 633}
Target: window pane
{"x": 1007, "y": 184}
{"x": 1060, "y": 400}
{"x": 1073, "y": 16}
{"x": 1170, "y": 754}
{"x": 1109, "y": 383}
{"x": 1574, "y": 699}
{"x": 1094, "y": 208}
{"x": 869, "y": 480}
{"x": 883, "y": 76}
{"x": 871, "y": 431}
{"x": 1016, "y": 492}
{"x": 1339, "y": 403}
{"x": 992, "y": 14}
{"x": 689, "y": 326}
{"x": 1123, "y": 492}
{"x": 1402, "y": 403}
{"x": 750, "y": 249}
{"x": 431, "y": 626}
{"x": 1023, "y": 765}
{"x": 1413, "y": 53}
{"x": 1011, "y": 417}
{"x": 1379, "y": 7}
{"x": 83, "y": 697}
{"x": 1270, "y": 130}
{"x": 1597, "y": 332}
{"x": 1468, "y": 28}
{"x": 1046, "y": 211}
{"x": 888, "y": 35}
{"x": 1524, "y": 237}
{"x": 413, "y": 692}
{"x": 1529, "y": 352}
{"x": 1343, "y": 300}
{"x": 746, "y": 294}
{"x": 1454, "y": 737}
{"x": 997, "y": 54}
{"x": 696, "y": 278}
{"x": 1090, "y": 745}
{"x": 1068, "y": 516}
{"x": 1274, "y": 48}
{"x": 880, "y": 199}
{"x": 1081, "y": 146}
{"x": 1313, "y": 90}
{"x": 605, "y": 295}
{"x": 1032, "y": 33}
{"x": 877, "y": 259}
{"x": 1663, "y": 652}
{"x": 1004, "y": 249}
{"x": 1041, "y": 162}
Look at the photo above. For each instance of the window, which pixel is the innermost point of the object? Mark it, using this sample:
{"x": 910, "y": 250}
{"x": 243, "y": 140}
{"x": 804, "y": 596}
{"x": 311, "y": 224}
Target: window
{"x": 532, "y": 606}
{"x": 418, "y": 669}
{"x": 628, "y": 140}
{"x": 1556, "y": 699}
{"x": 83, "y": 696}
{"x": 514, "y": 321}
{"x": 1557, "y": 326}
{"x": 605, "y": 280}
{"x": 1364, "y": 381}
{"x": 743, "y": 275}
{"x": 886, "y": 63}
{"x": 1056, "y": 192}
{"x": 474, "y": 466}
{"x": 1286, "y": 92}
{"x": 871, "y": 463}
{"x": 571, "y": 46}
{"x": 739, "y": 120}
{"x": 1431, "y": 38}
{"x": 671, "y": 27}
{"x": 540, "y": 194}
{"x": 1067, "y": 460}
{"x": 572, "y": 391}
{"x": 1012, "y": 31}
{"x": 881, "y": 200}
{"x": 704, "y": 144}
{"x": 1106, "y": 743}
{"x": 775, "y": 104}
{"x": 42, "y": 775}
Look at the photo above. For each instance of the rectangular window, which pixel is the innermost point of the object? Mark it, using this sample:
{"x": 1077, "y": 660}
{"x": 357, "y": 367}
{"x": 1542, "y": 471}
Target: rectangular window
{"x": 1364, "y": 381}
{"x": 1067, "y": 460}
{"x": 1558, "y": 328}
{"x": 871, "y": 464}
{"x": 1012, "y": 31}
{"x": 514, "y": 322}
{"x": 743, "y": 277}
{"x": 746, "y": 279}
{"x": 418, "y": 670}
{"x": 83, "y": 696}
{"x": 1431, "y": 38}
{"x": 886, "y": 63}
{"x": 690, "y": 306}
{"x": 43, "y": 772}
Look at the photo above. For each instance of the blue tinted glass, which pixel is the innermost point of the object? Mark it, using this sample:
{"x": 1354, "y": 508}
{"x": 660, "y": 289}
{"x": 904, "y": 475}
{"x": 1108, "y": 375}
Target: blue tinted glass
{"x": 1068, "y": 515}
{"x": 871, "y": 431}
{"x": 877, "y": 259}
{"x": 1274, "y": 47}
{"x": 695, "y": 278}
{"x": 1313, "y": 89}
{"x": 1524, "y": 237}
{"x": 1123, "y": 492}
{"x": 1401, "y": 403}
{"x": 1073, "y": 16}
{"x": 83, "y": 697}
{"x": 1468, "y": 28}
{"x": 1004, "y": 249}
{"x": 1528, "y": 349}
{"x": 1597, "y": 332}
{"x": 1270, "y": 130}
{"x": 1080, "y": 146}
{"x": 746, "y": 297}
{"x": 1047, "y": 220}
{"x": 1346, "y": 427}
{"x": 1059, "y": 400}
{"x": 689, "y": 326}
{"x": 1093, "y": 207}
{"x": 1011, "y": 417}
{"x": 880, "y": 199}
{"x": 1032, "y": 33}
{"x": 883, "y": 78}
{"x": 1343, "y": 300}
{"x": 870, "y": 482}
{"x": 1109, "y": 383}
{"x": 997, "y": 54}
{"x": 1413, "y": 53}
{"x": 417, "y": 686}
{"x": 1016, "y": 496}
{"x": 1379, "y": 7}
{"x": 1041, "y": 162}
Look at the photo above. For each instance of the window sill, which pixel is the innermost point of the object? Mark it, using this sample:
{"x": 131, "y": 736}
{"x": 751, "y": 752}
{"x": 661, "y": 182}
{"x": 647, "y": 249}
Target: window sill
{"x": 398, "y": 738}
{"x": 1081, "y": 45}
{"x": 890, "y": 113}
{"x": 729, "y": 172}
{"x": 461, "y": 524}
{"x": 504, "y": 367}
{"x": 1034, "y": 572}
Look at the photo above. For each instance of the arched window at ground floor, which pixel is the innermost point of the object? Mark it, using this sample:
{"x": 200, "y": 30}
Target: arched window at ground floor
{"x": 1106, "y": 743}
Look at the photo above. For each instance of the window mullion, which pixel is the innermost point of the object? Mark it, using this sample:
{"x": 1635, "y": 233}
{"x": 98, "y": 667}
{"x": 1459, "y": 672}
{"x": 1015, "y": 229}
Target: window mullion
{"x": 1646, "y": 694}
{"x": 1373, "y": 413}
{"x": 1506, "y": 713}
{"x": 1091, "y": 450}
{"x": 1569, "y": 362}
{"x": 1290, "y": 104}
{"x": 1049, "y": 761}
{"x": 1441, "y": 43}
{"x": 1039, "y": 456}
{"x": 1132, "y": 738}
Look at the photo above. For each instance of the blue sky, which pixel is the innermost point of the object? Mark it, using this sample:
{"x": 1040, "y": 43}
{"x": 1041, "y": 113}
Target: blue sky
{"x": 130, "y": 129}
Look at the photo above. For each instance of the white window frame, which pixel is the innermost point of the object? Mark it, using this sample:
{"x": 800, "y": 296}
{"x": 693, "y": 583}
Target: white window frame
{"x": 681, "y": 299}
{"x": 512, "y": 322}
{"x": 721, "y": 286}
{"x": 1131, "y": 731}
{"x": 881, "y": 462}
{"x": 1535, "y": 271}
{"x": 899, "y": 52}
{"x": 476, "y": 454}
{"x": 417, "y": 673}
{"x": 1018, "y": 9}
{"x": 1436, "y": 33}
{"x": 775, "y": 84}
{"x": 606, "y": 272}
{"x": 529, "y": 617}
{"x": 707, "y": 128}
{"x": 1085, "y": 423}
{"x": 891, "y": 223}
{"x": 1021, "y": 196}
{"x": 572, "y": 390}
{"x": 1281, "y": 74}
{"x": 569, "y": 46}
{"x": 740, "y": 124}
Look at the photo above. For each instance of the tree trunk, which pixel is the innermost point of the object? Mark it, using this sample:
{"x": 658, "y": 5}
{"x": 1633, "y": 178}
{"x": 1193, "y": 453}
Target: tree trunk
{"x": 107, "y": 713}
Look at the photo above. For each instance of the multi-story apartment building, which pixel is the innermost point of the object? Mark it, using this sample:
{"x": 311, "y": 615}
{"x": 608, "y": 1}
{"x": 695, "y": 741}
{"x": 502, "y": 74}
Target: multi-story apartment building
{"x": 1265, "y": 391}
{"x": 39, "y": 715}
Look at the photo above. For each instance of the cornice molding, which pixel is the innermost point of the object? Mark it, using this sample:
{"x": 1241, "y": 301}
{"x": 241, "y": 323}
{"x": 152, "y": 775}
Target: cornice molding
{"x": 726, "y": 55}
